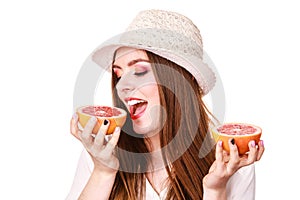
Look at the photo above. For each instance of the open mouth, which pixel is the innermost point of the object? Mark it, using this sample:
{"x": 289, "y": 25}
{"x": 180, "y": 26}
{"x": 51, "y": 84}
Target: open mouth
{"x": 137, "y": 107}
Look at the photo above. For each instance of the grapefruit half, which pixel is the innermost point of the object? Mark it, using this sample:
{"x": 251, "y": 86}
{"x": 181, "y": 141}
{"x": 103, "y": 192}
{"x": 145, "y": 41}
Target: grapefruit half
{"x": 242, "y": 133}
{"x": 116, "y": 116}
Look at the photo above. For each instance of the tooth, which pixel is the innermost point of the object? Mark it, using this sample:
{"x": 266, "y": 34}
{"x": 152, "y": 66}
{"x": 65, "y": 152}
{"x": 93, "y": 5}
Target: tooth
{"x": 133, "y": 102}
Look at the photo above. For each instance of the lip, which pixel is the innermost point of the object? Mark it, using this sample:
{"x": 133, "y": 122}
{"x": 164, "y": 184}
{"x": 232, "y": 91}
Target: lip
{"x": 132, "y": 116}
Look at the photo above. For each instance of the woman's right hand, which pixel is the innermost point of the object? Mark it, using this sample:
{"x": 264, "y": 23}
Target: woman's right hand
{"x": 102, "y": 152}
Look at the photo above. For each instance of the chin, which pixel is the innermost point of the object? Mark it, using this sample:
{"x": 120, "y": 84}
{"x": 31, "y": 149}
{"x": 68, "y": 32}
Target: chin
{"x": 141, "y": 129}
{"x": 146, "y": 129}
{"x": 150, "y": 123}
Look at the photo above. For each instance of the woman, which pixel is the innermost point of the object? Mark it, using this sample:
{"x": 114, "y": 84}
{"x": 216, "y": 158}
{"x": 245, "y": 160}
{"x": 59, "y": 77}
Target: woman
{"x": 159, "y": 77}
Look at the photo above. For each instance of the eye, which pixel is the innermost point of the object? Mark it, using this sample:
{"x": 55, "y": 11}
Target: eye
{"x": 141, "y": 73}
{"x": 141, "y": 69}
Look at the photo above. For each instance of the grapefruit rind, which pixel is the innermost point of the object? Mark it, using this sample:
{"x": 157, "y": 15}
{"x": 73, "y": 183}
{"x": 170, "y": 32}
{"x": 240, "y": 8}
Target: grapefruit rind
{"x": 114, "y": 121}
{"x": 241, "y": 141}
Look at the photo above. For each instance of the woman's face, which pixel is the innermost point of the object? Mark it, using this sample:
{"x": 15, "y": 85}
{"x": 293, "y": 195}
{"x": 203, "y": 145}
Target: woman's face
{"x": 137, "y": 88}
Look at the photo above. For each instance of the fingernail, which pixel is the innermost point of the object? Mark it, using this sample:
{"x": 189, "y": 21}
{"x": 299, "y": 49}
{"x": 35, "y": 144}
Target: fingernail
{"x": 117, "y": 129}
{"x": 232, "y": 141}
{"x": 93, "y": 119}
{"x": 220, "y": 143}
{"x": 105, "y": 122}
{"x": 252, "y": 143}
{"x": 262, "y": 143}
{"x": 75, "y": 116}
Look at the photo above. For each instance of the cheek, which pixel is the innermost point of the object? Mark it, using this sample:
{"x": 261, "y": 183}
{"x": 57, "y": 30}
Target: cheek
{"x": 151, "y": 91}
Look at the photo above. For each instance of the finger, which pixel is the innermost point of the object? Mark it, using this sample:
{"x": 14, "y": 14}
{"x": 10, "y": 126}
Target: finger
{"x": 219, "y": 151}
{"x": 234, "y": 156}
{"x": 234, "y": 153}
{"x": 261, "y": 149}
{"x": 110, "y": 146}
{"x": 226, "y": 156}
{"x": 74, "y": 126}
{"x": 220, "y": 166}
{"x": 252, "y": 155}
{"x": 86, "y": 135}
{"x": 99, "y": 139}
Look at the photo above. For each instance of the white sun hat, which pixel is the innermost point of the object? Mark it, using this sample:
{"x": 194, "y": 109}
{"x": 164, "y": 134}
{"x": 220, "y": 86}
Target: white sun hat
{"x": 167, "y": 34}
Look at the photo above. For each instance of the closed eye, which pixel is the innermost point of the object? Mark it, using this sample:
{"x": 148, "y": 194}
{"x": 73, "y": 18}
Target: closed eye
{"x": 141, "y": 73}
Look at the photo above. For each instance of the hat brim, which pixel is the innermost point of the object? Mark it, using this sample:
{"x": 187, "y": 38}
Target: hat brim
{"x": 103, "y": 56}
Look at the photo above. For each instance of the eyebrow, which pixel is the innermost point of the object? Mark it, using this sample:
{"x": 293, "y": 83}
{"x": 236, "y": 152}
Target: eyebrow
{"x": 132, "y": 62}
{"x": 136, "y": 61}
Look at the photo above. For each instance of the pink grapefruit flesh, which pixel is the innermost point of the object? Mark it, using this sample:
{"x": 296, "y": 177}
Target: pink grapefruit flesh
{"x": 116, "y": 116}
{"x": 242, "y": 133}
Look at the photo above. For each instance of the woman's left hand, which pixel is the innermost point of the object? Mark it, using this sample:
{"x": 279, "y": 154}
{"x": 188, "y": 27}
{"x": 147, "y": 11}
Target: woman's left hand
{"x": 226, "y": 164}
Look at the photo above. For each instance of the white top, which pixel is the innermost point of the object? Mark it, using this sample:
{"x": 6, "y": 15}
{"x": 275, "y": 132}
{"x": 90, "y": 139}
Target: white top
{"x": 240, "y": 186}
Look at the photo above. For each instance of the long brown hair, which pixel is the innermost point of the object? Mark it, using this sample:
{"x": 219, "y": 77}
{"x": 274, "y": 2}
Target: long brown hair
{"x": 182, "y": 137}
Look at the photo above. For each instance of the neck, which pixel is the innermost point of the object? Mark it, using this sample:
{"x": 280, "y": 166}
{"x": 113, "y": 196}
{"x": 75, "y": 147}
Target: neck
{"x": 156, "y": 174}
{"x": 153, "y": 143}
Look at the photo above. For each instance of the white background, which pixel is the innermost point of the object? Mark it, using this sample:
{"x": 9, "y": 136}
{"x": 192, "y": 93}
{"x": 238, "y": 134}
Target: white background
{"x": 254, "y": 44}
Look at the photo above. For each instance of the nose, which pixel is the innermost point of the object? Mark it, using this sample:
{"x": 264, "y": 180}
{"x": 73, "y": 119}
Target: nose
{"x": 125, "y": 84}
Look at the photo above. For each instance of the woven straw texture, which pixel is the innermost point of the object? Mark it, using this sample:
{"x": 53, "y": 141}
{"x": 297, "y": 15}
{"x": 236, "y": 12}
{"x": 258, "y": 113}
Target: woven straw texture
{"x": 167, "y": 34}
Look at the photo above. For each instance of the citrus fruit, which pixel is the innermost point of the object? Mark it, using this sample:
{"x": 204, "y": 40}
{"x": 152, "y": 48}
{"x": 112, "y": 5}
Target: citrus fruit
{"x": 242, "y": 133}
{"x": 116, "y": 116}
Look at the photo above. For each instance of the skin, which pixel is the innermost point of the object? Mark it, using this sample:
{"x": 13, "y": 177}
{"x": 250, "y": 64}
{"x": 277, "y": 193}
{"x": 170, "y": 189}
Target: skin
{"x": 226, "y": 165}
{"x": 144, "y": 87}
{"x": 137, "y": 80}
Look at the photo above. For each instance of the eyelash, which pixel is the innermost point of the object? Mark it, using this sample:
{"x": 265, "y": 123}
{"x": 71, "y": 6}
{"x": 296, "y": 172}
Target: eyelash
{"x": 141, "y": 73}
